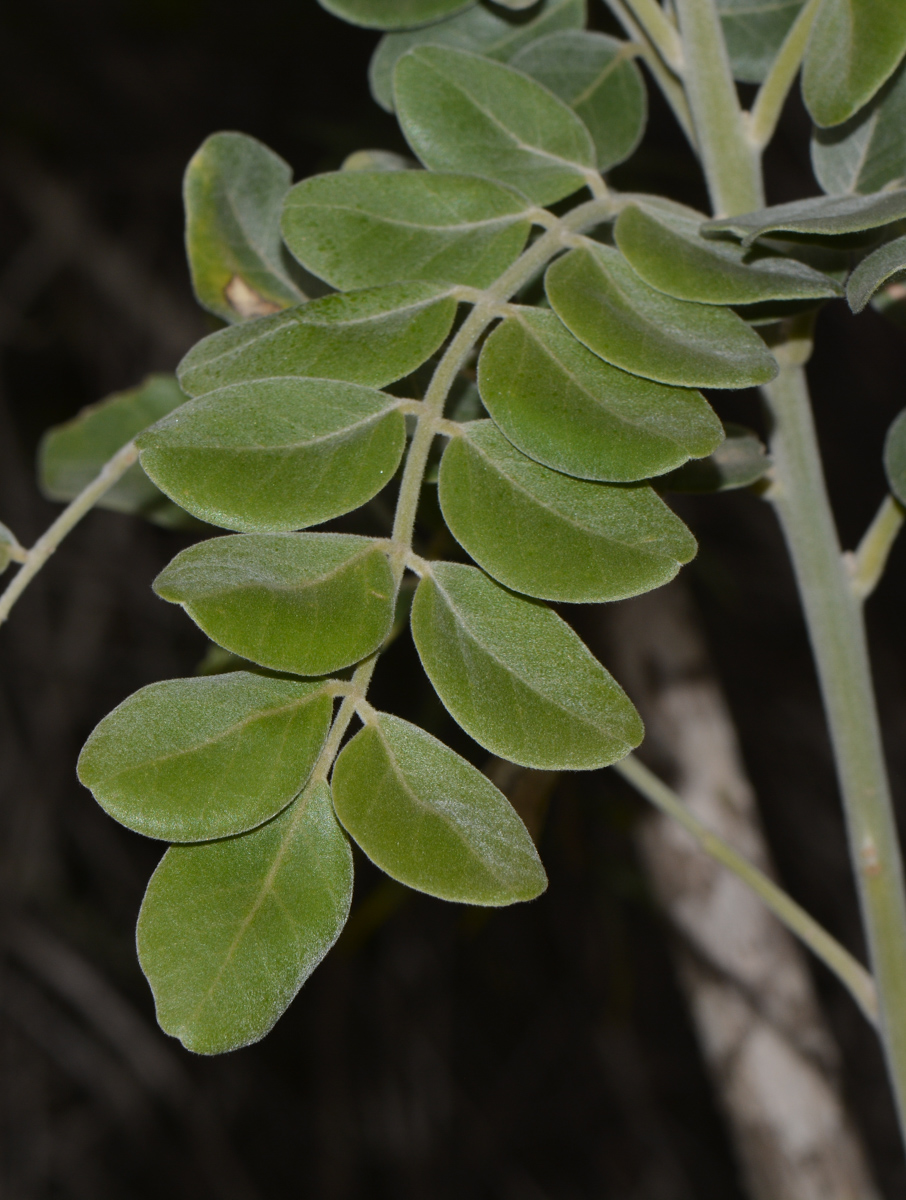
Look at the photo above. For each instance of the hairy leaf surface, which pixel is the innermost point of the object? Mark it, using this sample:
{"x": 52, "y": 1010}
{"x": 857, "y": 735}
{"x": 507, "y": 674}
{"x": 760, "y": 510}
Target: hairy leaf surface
{"x": 189, "y": 760}
{"x": 895, "y": 457}
{"x": 595, "y": 75}
{"x": 830, "y": 216}
{"x": 884, "y": 264}
{"x": 625, "y": 321}
{"x": 428, "y": 818}
{"x": 229, "y": 931}
{"x": 359, "y": 229}
{"x": 669, "y": 253}
{"x": 371, "y": 337}
{"x": 394, "y": 14}
{"x": 550, "y": 536}
{"x": 71, "y": 455}
{"x": 563, "y": 406}
{"x": 308, "y": 603}
{"x": 482, "y": 29}
{"x": 754, "y": 31}
{"x": 516, "y": 677}
{"x": 854, "y": 48}
{"x": 867, "y": 152}
{"x": 462, "y": 112}
{"x": 277, "y": 454}
{"x": 233, "y": 191}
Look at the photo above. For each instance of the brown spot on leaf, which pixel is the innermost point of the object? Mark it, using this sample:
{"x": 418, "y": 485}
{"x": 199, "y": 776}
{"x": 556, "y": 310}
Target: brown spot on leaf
{"x": 246, "y": 301}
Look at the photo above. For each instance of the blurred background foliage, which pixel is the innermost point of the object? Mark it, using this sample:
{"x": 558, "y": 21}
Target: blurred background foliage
{"x": 537, "y": 1053}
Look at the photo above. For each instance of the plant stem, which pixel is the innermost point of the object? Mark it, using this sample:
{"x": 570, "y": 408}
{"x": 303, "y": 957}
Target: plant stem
{"x": 847, "y": 969}
{"x": 44, "y": 547}
{"x": 660, "y": 31}
{"x": 773, "y": 92}
{"x": 837, "y": 633}
{"x": 666, "y": 80}
{"x": 730, "y": 162}
{"x": 867, "y": 564}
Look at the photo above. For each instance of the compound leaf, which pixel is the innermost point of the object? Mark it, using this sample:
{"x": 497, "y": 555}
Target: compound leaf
{"x": 394, "y": 14}
{"x": 625, "y": 321}
{"x": 189, "y": 760}
{"x": 867, "y": 152}
{"x": 308, "y": 603}
{"x": 371, "y": 337}
{"x": 671, "y": 255}
{"x": 277, "y": 454}
{"x": 561, "y": 405}
{"x": 884, "y": 264}
{"x": 462, "y": 112}
{"x": 895, "y": 457}
{"x": 754, "y": 31}
{"x": 550, "y": 536}
{"x": 854, "y": 48}
{"x": 71, "y": 455}
{"x": 359, "y": 229}
{"x": 516, "y": 677}
{"x": 828, "y": 216}
{"x": 595, "y": 75}
{"x": 233, "y": 191}
{"x": 429, "y": 819}
{"x": 739, "y": 461}
{"x": 483, "y": 29}
{"x": 230, "y": 930}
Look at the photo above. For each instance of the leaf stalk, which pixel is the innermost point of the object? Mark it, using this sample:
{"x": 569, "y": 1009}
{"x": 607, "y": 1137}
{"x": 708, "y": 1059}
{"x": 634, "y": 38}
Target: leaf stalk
{"x": 866, "y": 565}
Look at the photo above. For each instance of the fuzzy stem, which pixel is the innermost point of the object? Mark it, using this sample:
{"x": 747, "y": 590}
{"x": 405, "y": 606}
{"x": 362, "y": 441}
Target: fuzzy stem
{"x": 837, "y": 633}
{"x": 44, "y": 547}
{"x": 847, "y": 969}
{"x": 867, "y": 563}
{"x": 773, "y": 92}
{"x": 730, "y": 162}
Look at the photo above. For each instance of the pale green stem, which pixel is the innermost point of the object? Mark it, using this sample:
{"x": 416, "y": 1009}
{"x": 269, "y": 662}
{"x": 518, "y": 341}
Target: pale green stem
{"x": 866, "y": 565}
{"x": 837, "y": 633}
{"x": 731, "y": 164}
{"x": 44, "y": 547}
{"x": 660, "y": 31}
{"x": 666, "y": 80}
{"x": 847, "y": 969}
{"x": 773, "y": 92}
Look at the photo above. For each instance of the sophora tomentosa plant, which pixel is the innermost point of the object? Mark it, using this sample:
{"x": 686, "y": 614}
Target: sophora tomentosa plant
{"x": 491, "y": 318}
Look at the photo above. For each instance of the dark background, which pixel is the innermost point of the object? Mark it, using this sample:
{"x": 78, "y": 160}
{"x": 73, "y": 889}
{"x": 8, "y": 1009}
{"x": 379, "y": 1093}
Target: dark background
{"x": 537, "y": 1053}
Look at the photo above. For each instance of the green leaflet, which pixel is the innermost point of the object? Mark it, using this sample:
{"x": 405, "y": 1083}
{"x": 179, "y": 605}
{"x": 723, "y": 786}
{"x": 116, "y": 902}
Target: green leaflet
{"x": 8, "y": 542}
{"x": 277, "y": 454}
{"x": 828, "y": 216}
{"x": 867, "y": 152}
{"x": 189, "y": 760}
{"x": 393, "y": 14}
{"x": 595, "y": 75}
{"x": 550, "y": 536}
{"x": 739, "y": 461}
{"x": 671, "y": 255}
{"x": 884, "y": 264}
{"x": 308, "y": 603}
{"x": 561, "y": 405}
{"x": 754, "y": 31}
{"x": 516, "y": 677}
{"x": 462, "y": 112}
{"x": 601, "y": 300}
{"x": 854, "y": 48}
{"x": 230, "y": 930}
{"x": 429, "y": 819}
{"x": 372, "y": 337}
{"x": 482, "y": 28}
{"x": 233, "y": 191}
{"x": 895, "y": 457}
{"x": 359, "y": 229}
{"x": 378, "y": 160}
{"x": 71, "y": 455}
